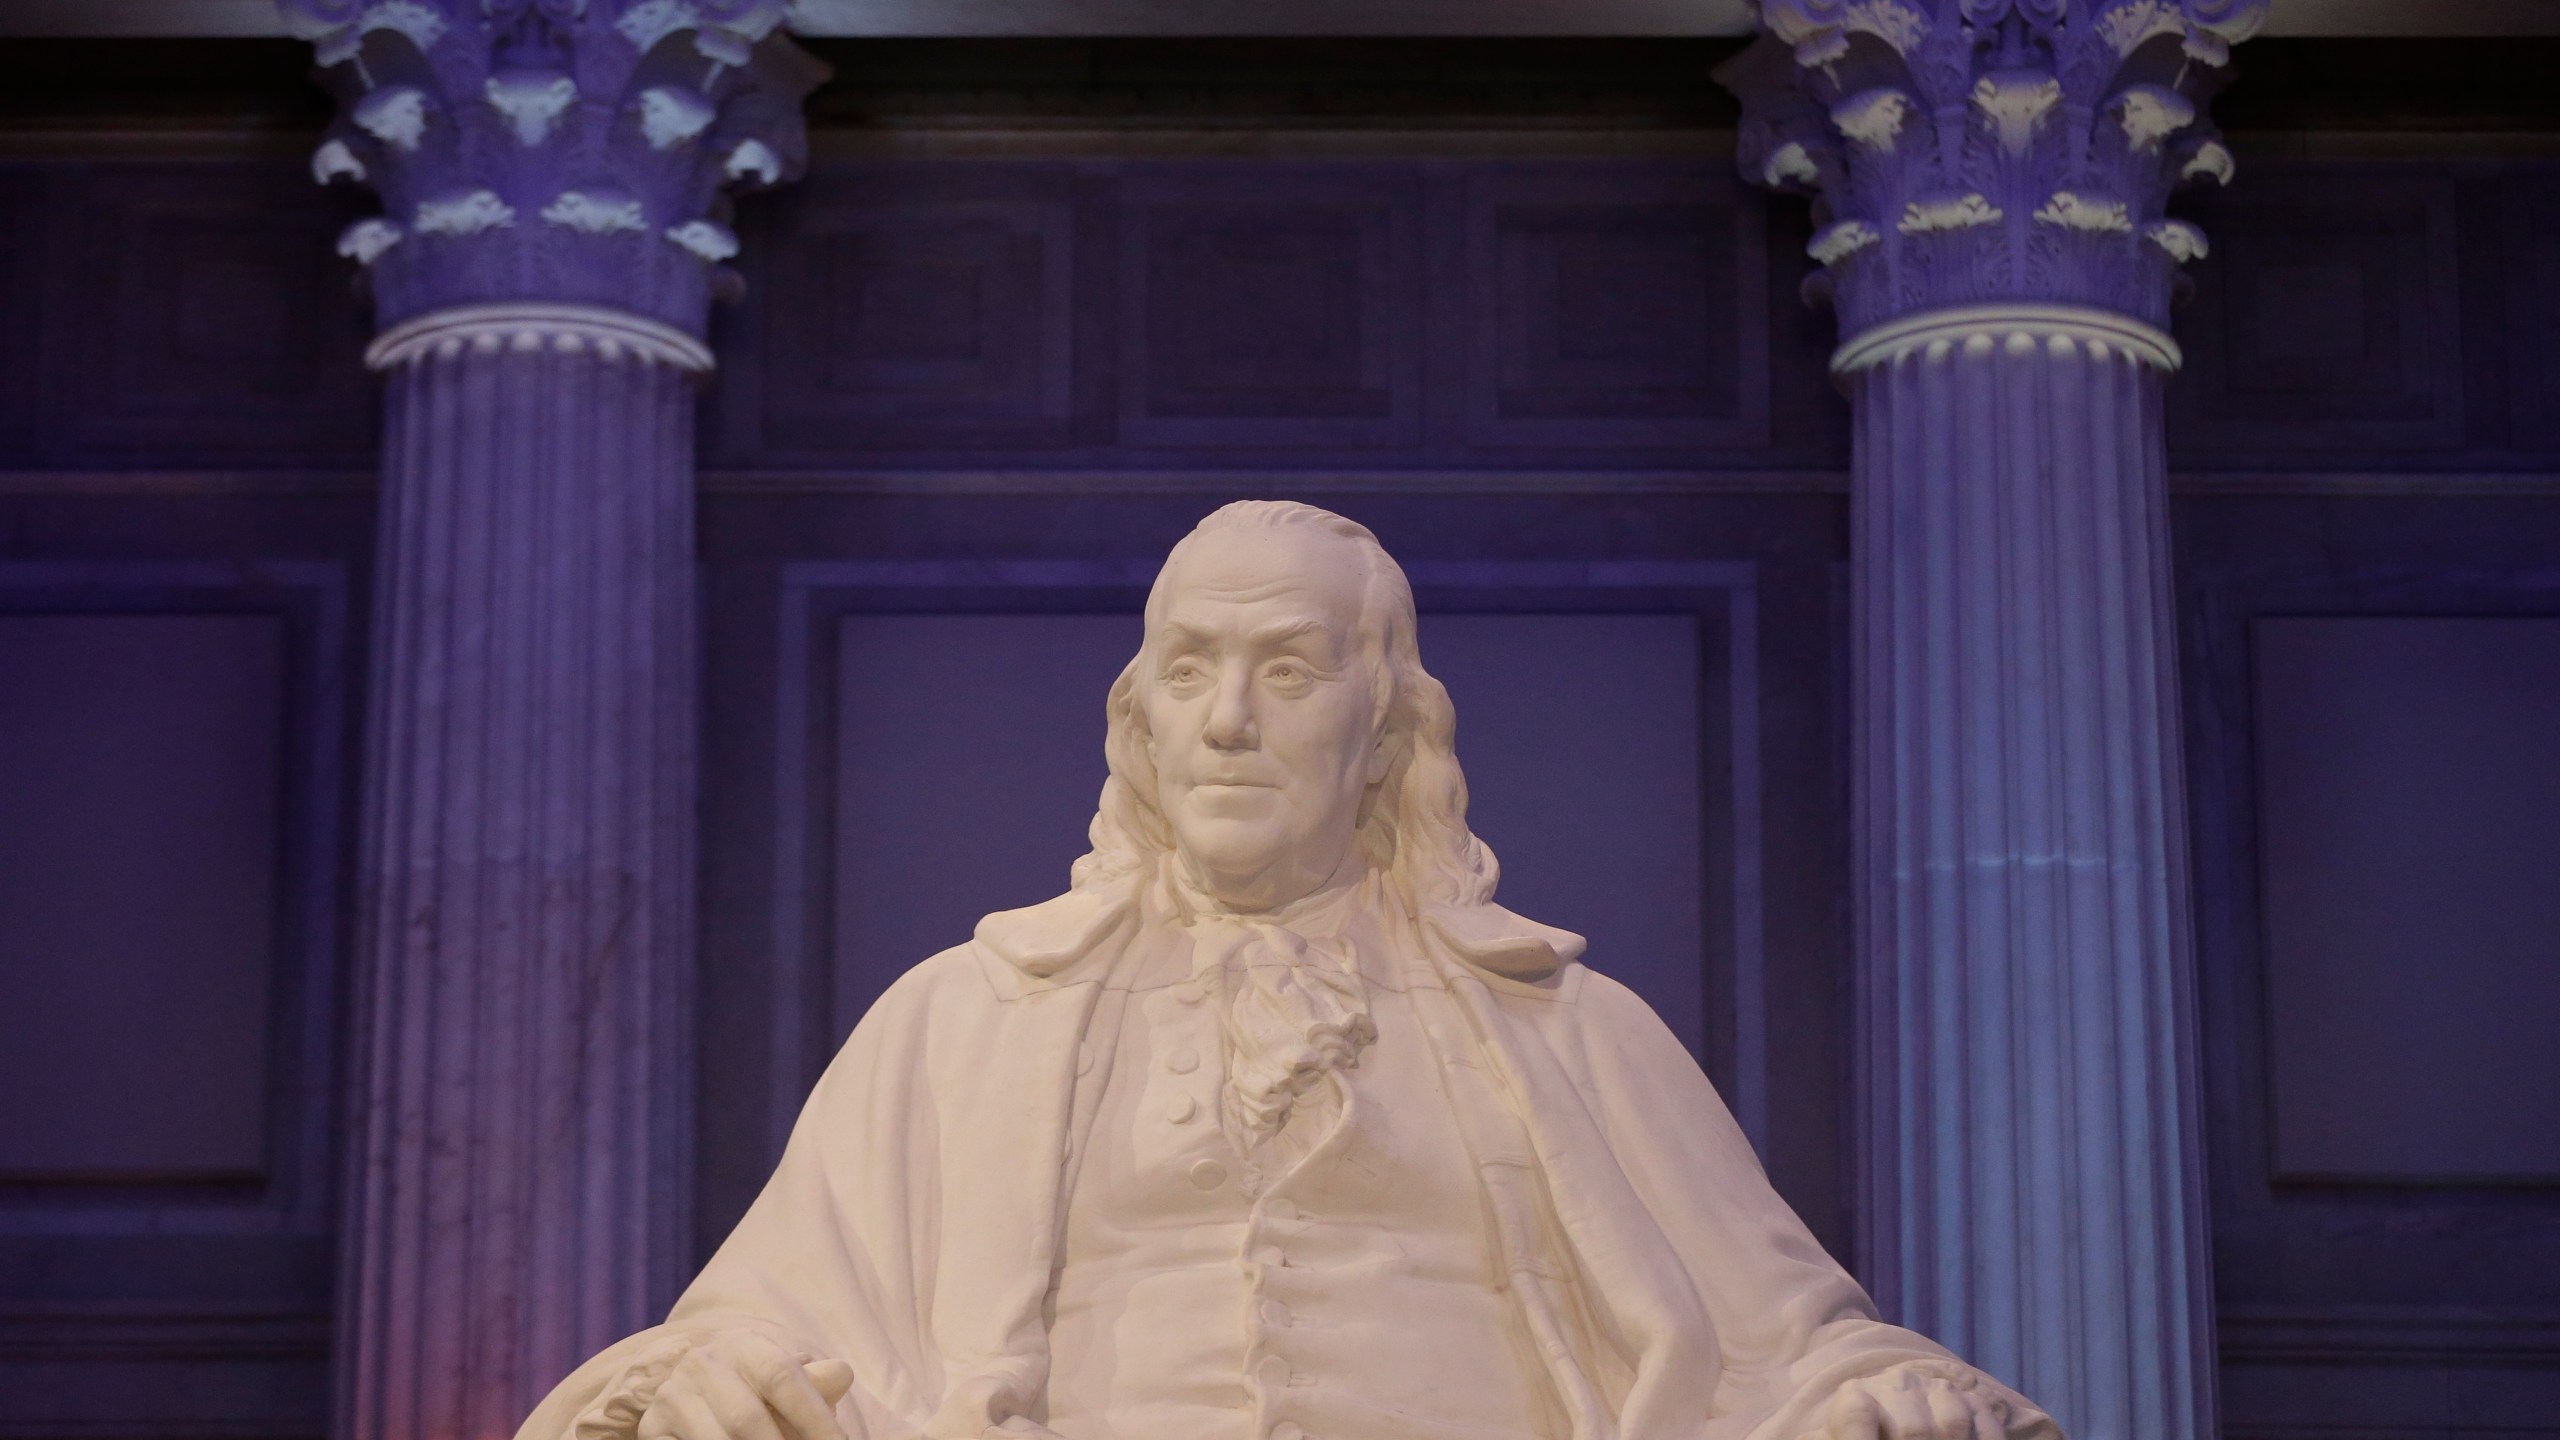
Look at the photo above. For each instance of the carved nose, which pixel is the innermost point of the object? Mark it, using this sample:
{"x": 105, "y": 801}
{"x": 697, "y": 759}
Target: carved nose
{"x": 1231, "y": 719}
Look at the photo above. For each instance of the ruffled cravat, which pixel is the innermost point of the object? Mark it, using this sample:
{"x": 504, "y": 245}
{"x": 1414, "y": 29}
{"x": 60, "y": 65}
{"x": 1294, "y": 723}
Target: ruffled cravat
{"x": 1292, "y": 1010}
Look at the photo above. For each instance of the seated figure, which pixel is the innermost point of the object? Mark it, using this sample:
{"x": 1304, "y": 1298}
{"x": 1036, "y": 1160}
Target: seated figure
{"x": 1274, "y": 1126}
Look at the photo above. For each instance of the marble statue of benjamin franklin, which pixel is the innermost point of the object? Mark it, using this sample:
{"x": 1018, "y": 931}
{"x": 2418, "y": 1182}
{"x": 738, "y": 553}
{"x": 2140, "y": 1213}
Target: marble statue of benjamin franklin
{"x": 1274, "y": 1126}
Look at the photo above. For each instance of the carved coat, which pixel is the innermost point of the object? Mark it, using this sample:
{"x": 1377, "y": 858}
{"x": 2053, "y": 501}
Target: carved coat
{"x": 912, "y": 1226}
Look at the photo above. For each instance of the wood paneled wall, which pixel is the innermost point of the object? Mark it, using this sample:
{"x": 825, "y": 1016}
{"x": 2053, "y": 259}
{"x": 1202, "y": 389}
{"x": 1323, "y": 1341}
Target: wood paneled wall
{"x": 1569, "y": 363}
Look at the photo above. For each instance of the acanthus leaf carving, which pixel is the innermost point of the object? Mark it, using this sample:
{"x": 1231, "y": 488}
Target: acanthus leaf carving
{"x": 706, "y": 240}
{"x": 604, "y": 118}
{"x": 531, "y": 100}
{"x": 1947, "y": 212}
{"x": 651, "y": 21}
{"x": 364, "y": 241}
{"x": 2078, "y": 212}
{"x": 598, "y": 214}
{"x": 2006, "y": 148}
{"x": 2180, "y": 240}
{"x": 753, "y": 161}
{"x": 673, "y": 114}
{"x": 1838, "y": 241}
{"x": 396, "y": 115}
{"x": 468, "y": 213}
{"x": 2210, "y": 160}
{"x": 1872, "y": 117}
{"x": 2016, "y": 105}
{"x": 333, "y": 161}
{"x": 2153, "y": 113}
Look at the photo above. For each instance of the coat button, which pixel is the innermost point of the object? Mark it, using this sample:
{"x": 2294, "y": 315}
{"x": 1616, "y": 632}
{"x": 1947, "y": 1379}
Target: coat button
{"x": 1275, "y": 1314}
{"x": 1273, "y": 1372}
{"x": 1181, "y": 1111}
{"x": 1183, "y": 1060}
{"x": 1208, "y": 1174}
{"x": 1265, "y": 1255}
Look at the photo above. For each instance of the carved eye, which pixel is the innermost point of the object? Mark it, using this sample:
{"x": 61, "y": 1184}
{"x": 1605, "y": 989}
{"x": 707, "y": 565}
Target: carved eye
{"x": 1185, "y": 674}
{"x": 1288, "y": 678}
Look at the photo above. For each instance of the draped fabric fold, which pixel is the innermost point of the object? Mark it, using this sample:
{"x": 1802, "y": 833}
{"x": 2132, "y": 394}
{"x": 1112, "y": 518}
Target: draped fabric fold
{"x": 911, "y": 1227}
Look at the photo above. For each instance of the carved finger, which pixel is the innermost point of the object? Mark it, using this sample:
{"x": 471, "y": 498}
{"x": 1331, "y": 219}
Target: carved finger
{"x": 658, "y": 1422}
{"x": 808, "y": 1412}
{"x": 689, "y": 1417}
{"x": 832, "y": 1379}
{"x": 1950, "y": 1413}
{"x": 2042, "y": 1427}
{"x": 1854, "y": 1415}
{"x": 738, "y": 1407}
{"x": 1906, "y": 1413}
{"x": 1990, "y": 1419}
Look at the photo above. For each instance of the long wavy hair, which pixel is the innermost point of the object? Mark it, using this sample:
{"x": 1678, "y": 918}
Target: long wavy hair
{"x": 1413, "y": 820}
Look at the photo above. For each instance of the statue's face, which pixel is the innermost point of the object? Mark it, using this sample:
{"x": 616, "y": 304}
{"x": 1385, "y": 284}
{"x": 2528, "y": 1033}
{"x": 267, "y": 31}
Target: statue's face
{"x": 1261, "y": 711}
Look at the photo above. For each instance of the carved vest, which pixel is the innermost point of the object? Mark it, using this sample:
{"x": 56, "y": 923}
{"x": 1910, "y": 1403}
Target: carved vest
{"x": 1355, "y": 1297}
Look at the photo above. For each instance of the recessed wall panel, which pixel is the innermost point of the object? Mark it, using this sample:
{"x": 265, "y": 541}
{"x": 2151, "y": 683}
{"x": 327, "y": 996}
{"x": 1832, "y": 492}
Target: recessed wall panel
{"x": 216, "y": 322}
{"x": 915, "y": 311}
{"x": 140, "y": 766}
{"x": 2326, "y": 323}
{"x": 1614, "y": 309}
{"x": 2409, "y": 780}
{"x": 968, "y": 758}
{"x": 1580, "y": 734}
{"x": 1274, "y": 311}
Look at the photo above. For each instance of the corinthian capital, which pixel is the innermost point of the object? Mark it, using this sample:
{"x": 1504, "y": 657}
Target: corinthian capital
{"x": 1966, "y": 152}
{"x": 564, "y": 151}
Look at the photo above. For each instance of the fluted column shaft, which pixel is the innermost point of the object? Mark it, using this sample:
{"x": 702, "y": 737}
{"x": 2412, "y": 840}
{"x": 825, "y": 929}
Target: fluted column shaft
{"x": 528, "y": 868}
{"x": 1990, "y": 182}
{"x": 555, "y": 179}
{"x": 2024, "y": 922}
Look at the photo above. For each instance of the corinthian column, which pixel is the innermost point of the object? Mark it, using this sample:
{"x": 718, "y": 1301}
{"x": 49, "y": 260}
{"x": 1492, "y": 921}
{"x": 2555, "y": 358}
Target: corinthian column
{"x": 1988, "y": 178}
{"x": 551, "y": 236}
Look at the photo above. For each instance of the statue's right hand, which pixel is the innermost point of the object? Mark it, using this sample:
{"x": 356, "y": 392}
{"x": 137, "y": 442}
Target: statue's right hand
{"x": 739, "y": 1385}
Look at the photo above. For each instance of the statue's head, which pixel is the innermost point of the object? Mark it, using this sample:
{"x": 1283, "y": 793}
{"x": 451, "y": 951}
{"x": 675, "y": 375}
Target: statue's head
{"x": 1276, "y": 731}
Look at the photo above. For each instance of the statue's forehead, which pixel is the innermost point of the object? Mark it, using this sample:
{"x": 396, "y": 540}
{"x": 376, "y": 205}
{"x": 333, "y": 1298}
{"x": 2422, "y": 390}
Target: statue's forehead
{"x": 1261, "y": 580}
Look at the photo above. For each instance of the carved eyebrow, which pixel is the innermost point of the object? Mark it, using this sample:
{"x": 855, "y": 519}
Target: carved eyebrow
{"x": 1177, "y": 637}
{"x": 1287, "y": 630}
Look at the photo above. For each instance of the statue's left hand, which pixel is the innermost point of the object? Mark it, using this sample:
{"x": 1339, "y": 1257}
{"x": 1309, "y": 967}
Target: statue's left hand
{"x": 740, "y": 1385}
{"x": 1921, "y": 1401}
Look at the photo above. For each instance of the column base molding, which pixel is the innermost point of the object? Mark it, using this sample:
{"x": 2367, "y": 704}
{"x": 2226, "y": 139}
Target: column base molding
{"x": 529, "y": 325}
{"x": 2031, "y": 321}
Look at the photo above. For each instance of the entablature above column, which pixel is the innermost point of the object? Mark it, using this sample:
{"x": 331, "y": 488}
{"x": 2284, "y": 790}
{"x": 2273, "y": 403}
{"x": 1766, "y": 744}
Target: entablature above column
{"x": 1971, "y": 152}
{"x": 559, "y": 151}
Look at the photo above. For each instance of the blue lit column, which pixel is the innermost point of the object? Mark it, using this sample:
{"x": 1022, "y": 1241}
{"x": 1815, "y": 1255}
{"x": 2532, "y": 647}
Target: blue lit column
{"x": 552, "y": 234}
{"x": 1988, "y": 178}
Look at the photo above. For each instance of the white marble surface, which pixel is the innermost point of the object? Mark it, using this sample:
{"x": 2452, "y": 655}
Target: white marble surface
{"x": 1274, "y": 1125}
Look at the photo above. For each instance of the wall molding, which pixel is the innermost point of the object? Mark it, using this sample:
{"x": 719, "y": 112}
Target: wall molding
{"x": 247, "y": 18}
{"x": 113, "y": 1333}
{"x": 1191, "y": 480}
{"x": 297, "y": 1196}
{"x": 728, "y": 482}
{"x": 2313, "y": 1335}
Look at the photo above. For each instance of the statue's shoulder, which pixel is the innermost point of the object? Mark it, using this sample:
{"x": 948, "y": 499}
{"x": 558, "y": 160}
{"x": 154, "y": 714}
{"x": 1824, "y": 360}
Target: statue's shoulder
{"x": 1059, "y": 940}
{"x": 1509, "y": 950}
